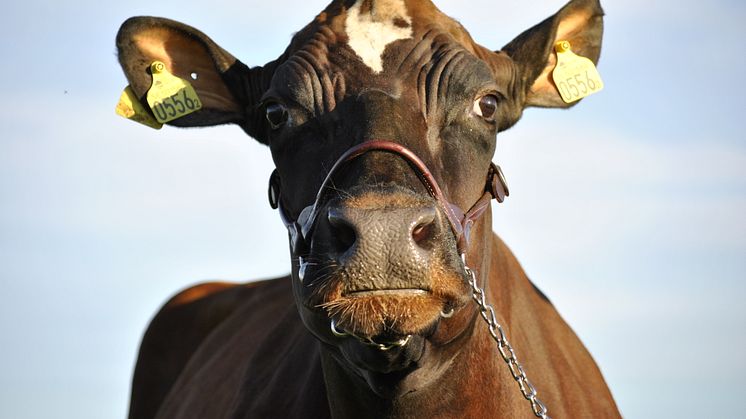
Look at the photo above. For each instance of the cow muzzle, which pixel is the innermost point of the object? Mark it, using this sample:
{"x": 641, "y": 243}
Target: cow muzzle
{"x": 383, "y": 272}
{"x": 395, "y": 268}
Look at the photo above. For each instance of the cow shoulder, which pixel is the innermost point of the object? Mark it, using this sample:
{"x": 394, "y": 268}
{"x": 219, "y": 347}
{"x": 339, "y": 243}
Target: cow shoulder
{"x": 178, "y": 330}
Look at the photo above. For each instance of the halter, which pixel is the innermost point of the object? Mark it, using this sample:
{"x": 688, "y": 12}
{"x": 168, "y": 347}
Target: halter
{"x": 461, "y": 222}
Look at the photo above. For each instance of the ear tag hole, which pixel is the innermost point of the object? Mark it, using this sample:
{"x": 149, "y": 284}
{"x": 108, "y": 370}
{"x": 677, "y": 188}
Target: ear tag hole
{"x": 170, "y": 97}
{"x": 575, "y": 77}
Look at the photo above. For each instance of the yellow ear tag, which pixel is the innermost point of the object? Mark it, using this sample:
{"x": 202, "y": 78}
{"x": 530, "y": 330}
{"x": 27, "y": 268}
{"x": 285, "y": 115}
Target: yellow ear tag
{"x": 575, "y": 77}
{"x": 169, "y": 96}
{"x": 131, "y": 108}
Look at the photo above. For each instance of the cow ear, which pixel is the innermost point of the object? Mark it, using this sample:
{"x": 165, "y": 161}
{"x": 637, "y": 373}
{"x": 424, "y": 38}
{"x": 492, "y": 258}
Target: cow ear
{"x": 581, "y": 23}
{"x": 227, "y": 88}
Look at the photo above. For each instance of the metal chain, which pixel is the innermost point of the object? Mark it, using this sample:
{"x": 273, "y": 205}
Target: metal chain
{"x": 504, "y": 347}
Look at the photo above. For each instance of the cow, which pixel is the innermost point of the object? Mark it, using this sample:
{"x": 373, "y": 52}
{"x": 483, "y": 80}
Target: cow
{"x": 381, "y": 117}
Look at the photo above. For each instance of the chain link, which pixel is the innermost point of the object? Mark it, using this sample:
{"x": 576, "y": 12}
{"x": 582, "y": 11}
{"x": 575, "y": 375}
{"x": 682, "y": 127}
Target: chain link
{"x": 506, "y": 350}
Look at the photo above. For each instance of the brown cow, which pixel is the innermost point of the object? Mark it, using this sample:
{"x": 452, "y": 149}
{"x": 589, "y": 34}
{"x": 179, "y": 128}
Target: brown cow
{"x": 381, "y": 119}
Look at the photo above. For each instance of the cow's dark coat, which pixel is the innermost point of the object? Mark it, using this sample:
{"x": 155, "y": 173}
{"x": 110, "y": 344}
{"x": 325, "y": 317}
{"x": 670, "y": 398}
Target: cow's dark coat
{"x": 382, "y": 261}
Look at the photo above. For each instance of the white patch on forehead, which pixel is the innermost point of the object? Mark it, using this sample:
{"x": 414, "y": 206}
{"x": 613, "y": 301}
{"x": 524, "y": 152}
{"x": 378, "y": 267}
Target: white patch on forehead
{"x": 369, "y": 34}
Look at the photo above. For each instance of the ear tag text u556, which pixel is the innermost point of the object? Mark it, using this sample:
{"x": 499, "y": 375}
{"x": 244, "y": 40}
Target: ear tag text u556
{"x": 575, "y": 77}
{"x": 170, "y": 97}
{"x": 129, "y": 106}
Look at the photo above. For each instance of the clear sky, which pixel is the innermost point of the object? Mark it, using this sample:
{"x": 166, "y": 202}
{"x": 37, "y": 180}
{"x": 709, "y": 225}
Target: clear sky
{"x": 627, "y": 210}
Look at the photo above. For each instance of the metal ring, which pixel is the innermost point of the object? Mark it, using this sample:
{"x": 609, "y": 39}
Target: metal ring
{"x": 447, "y": 315}
{"x": 336, "y": 331}
{"x": 370, "y": 342}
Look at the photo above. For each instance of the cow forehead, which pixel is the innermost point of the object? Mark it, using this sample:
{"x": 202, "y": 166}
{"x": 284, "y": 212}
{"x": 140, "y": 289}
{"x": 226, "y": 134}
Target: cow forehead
{"x": 369, "y": 27}
{"x": 370, "y": 31}
{"x": 356, "y": 45}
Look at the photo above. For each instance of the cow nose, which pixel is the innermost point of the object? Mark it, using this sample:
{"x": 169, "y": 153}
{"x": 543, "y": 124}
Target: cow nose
{"x": 403, "y": 236}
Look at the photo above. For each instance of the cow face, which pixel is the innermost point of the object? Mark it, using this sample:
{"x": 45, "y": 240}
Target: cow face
{"x": 377, "y": 256}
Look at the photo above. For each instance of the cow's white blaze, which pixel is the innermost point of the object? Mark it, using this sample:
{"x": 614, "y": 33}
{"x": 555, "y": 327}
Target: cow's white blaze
{"x": 369, "y": 33}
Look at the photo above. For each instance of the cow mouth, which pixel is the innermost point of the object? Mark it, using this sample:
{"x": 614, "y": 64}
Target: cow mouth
{"x": 384, "y": 331}
{"x": 387, "y": 315}
{"x": 384, "y": 292}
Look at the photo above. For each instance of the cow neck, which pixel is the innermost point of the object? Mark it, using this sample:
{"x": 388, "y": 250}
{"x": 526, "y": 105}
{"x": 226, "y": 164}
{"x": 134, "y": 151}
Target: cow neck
{"x": 461, "y": 222}
{"x": 458, "y": 392}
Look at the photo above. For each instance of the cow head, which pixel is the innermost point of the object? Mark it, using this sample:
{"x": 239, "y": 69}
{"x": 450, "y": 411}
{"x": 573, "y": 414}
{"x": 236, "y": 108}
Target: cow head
{"x": 373, "y": 251}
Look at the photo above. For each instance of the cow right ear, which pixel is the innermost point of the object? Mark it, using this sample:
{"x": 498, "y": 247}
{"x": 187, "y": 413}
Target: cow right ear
{"x": 228, "y": 89}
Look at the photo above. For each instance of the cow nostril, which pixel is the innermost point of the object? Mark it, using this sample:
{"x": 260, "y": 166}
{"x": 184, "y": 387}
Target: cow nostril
{"x": 342, "y": 233}
{"x": 423, "y": 233}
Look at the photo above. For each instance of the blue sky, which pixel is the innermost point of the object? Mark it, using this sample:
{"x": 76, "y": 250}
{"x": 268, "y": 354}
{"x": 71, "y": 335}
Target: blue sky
{"x": 627, "y": 210}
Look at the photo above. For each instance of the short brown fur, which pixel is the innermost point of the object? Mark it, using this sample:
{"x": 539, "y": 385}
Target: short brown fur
{"x": 265, "y": 349}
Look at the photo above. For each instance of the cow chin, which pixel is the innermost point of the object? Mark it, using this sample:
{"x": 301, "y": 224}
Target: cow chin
{"x": 421, "y": 318}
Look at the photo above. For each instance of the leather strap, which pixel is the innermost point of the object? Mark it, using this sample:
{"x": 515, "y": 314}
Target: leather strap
{"x": 461, "y": 223}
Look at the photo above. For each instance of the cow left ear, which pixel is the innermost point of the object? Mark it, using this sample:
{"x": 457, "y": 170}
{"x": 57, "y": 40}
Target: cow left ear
{"x": 581, "y": 23}
{"x": 227, "y": 88}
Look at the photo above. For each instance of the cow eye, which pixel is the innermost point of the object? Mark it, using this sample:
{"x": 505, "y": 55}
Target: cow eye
{"x": 486, "y": 106}
{"x": 277, "y": 115}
